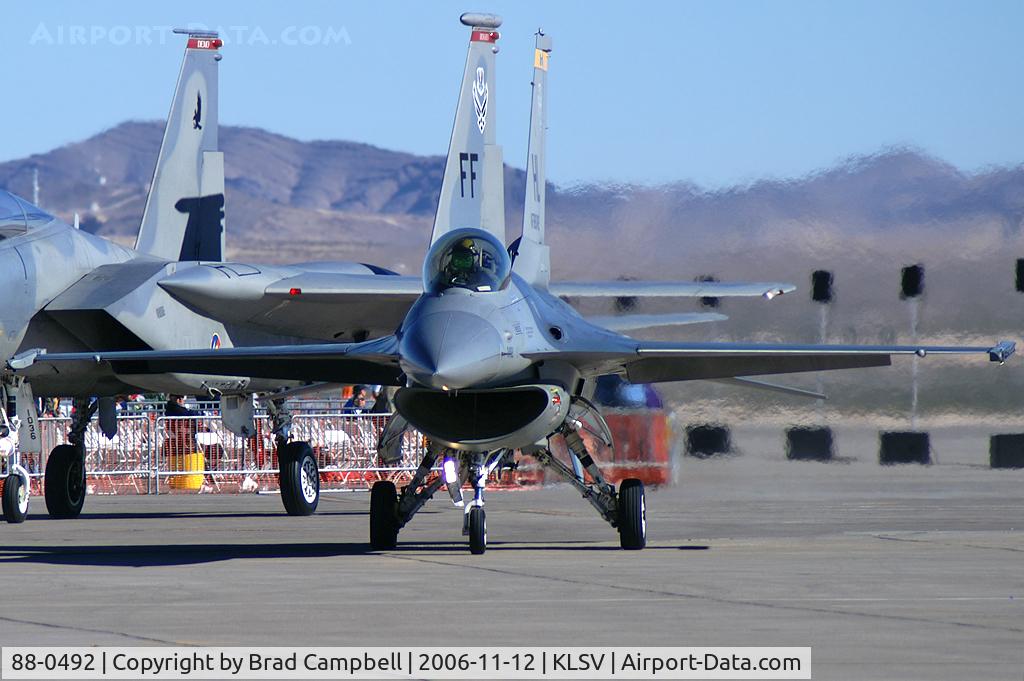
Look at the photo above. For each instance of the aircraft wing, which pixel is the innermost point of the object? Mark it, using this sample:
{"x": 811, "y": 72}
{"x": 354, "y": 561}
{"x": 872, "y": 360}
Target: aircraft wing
{"x": 633, "y": 322}
{"x": 327, "y": 286}
{"x": 673, "y": 289}
{"x": 655, "y": 362}
{"x": 312, "y": 304}
{"x": 374, "y": 362}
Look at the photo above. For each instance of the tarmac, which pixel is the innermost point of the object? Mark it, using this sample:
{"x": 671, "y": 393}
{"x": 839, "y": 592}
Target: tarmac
{"x": 896, "y": 572}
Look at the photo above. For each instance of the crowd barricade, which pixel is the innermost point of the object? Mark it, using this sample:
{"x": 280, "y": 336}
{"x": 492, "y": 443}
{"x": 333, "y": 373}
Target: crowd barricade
{"x": 642, "y": 449}
{"x": 346, "y": 449}
{"x": 153, "y": 454}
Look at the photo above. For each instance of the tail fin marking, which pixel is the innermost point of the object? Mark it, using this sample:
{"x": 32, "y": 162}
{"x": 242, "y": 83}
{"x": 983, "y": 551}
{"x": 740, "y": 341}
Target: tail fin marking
{"x": 533, "y": 261}
{"x": 184, "y": 215}
{"x": 473, "y": 188}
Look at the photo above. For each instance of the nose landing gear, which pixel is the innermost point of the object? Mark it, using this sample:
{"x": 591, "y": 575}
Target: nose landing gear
{"x": 390, "y": 511}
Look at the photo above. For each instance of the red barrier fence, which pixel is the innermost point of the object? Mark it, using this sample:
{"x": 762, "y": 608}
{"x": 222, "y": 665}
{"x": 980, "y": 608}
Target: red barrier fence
{"x": 159, "y": 455}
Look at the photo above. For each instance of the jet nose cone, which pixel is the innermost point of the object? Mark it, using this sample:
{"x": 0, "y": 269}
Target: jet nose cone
{"x": 450, "y": 350}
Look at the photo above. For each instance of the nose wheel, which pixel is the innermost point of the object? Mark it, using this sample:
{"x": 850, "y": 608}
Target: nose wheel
{"x": 15, "y": 500}
{"x": 477, "y": 530}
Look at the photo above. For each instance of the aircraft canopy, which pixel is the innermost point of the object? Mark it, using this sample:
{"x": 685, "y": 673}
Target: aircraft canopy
{"x": 17, "y": 215}
{"x": 467, "y": 258}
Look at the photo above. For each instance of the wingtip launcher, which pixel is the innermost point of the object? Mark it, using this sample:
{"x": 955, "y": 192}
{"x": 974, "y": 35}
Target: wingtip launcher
{"x": 480, "y": 20}
{"x": 1002, "y": 351}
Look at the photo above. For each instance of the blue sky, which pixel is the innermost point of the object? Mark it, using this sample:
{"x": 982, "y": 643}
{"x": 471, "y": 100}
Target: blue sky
{"x": 715, "y": 93}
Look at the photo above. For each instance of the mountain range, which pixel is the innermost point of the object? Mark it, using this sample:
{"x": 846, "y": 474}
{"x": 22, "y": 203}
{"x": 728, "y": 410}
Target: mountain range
{"x": 862, "y": 220}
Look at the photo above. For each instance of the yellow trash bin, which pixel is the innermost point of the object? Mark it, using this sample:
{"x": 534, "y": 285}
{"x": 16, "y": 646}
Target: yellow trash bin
{"x": 193, "y": 461}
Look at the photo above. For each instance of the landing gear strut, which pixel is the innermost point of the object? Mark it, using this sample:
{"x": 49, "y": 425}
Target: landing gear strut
{"x": 16, "y": 481}
{"x": 475, "y": 523}
{"x": 298, "y": 473}
{"x": 64, "y": 481}
{"x": 390, "y": 511}
{"x": 626, "y": 510}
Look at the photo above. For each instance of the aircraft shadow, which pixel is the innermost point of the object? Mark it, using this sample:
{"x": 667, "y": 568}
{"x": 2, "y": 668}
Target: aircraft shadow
{"x": 165, "y": 555}
{"x": 173, "y": 554}
{"x": 200, "y": 515}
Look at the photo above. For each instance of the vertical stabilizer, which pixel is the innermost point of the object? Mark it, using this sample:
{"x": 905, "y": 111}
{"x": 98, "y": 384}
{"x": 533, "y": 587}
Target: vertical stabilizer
{"x": 473, "y": 189}
{"x": 184, "y": 216}
{"x": 533, "y": 262}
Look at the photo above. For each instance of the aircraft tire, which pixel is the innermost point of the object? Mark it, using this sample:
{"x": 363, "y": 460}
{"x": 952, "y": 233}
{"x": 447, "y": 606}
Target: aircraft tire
{"x": 477, "y": 531}
{"x": 383, "y": 520}
{"x": 15, "y": 501}
{"x": 64, "y": 482}
{"x": 284, "y": 478}
{"x": 299, "y": 478}
{"x": 632, "y": 509}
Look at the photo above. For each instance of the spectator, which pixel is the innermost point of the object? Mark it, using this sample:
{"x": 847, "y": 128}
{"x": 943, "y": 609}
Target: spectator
{"x": 176, "y": 407}
{"x": 382, "y": 400}
{"x": 357, "y": 403}
{"x": 181, "y": 430}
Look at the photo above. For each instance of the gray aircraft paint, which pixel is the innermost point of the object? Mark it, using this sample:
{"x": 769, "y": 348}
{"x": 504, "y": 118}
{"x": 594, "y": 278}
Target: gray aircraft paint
{"x": 472, "y": 191}
{"x": 533, "y": 263}
{"x": 183, "y": 219}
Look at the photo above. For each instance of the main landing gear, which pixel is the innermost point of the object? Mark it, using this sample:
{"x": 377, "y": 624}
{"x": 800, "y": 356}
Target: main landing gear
{"x": 64, "y": 480}
{"x": 298, "y": 473}
{"x": 626, "y": 510}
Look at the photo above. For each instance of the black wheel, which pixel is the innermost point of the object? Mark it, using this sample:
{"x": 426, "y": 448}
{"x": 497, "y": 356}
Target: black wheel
{"x": 285, "y": 477}
{"x": 15, "y": 501}
{"x": 383, "y": 515}
{"x": 299, "y": 478}
{"x": 64, "y": 487}
{"x": 632, "y": 515}
{"x": 477, "y": 531}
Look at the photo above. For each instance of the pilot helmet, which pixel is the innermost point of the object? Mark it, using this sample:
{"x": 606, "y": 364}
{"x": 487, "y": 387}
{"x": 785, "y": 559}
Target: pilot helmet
{"x": 463, "y": 256}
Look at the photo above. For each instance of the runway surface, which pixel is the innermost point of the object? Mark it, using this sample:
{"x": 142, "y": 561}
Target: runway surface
{"x": 902, "y": 572}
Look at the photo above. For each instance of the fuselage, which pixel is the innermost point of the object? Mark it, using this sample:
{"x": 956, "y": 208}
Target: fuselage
{"x": 70, "y": 291}
{"x": 39, "y": 265}
{"x": 465, "y": 349}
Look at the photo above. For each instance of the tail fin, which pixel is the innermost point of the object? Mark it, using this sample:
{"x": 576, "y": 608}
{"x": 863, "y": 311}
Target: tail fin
{"x": 473, "y": 189}
{"x": 184, "y": 212}
{"x": 533, "y": 260}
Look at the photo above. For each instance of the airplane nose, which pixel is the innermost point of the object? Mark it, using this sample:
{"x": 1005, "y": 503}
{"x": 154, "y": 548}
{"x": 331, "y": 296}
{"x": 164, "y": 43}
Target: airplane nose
{"x": 451, "y": 350}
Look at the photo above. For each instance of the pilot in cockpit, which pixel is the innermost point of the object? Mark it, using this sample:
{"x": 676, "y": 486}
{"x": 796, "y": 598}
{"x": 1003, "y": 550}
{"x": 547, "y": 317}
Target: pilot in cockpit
{"x": 461, "y": 263}
{"x": 468, "y": 259}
